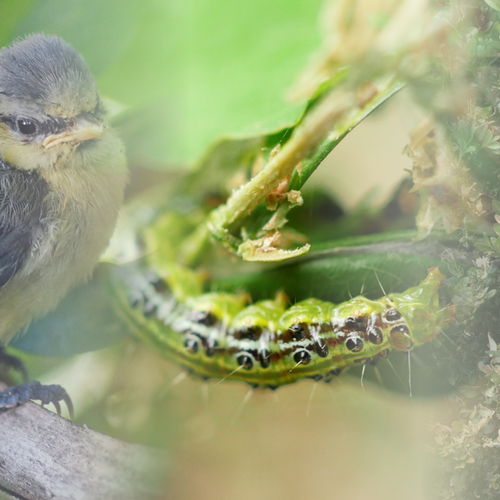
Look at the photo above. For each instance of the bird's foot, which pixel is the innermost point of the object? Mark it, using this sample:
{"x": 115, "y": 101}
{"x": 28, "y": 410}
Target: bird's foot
{"x": 7, "y": 361}
{"x": 17, "y": 395}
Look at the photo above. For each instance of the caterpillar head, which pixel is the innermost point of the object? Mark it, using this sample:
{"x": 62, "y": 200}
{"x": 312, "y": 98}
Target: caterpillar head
{"x": 419, "y": 306}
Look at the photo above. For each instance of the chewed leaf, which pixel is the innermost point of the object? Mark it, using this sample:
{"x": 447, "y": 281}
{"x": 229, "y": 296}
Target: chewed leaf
{"x": 259, "y": 251}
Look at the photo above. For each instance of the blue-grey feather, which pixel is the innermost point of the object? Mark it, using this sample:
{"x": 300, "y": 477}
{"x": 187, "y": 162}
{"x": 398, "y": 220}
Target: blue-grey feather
{"x": 44, "y": 68}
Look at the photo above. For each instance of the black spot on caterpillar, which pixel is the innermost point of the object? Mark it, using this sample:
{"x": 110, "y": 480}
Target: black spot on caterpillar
{"x": 216, "y": 335}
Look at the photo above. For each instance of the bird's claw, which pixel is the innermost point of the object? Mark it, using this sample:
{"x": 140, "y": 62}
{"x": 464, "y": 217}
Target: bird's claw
{"x": 17, "y": 395}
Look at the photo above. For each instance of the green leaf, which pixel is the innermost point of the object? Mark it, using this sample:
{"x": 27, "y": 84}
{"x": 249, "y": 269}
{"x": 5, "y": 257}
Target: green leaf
{"x": 496, "y": 206}
{"x": 234, "y": 154}
{"x": 494, "y": 4}
{"x": 372, "y": 265}
{"x": 496, "y": 244}
{"x": 83, "y": 321}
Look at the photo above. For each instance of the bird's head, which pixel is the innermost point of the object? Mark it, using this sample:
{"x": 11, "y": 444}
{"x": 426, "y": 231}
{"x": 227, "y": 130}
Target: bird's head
{"x": 50, "y": 108}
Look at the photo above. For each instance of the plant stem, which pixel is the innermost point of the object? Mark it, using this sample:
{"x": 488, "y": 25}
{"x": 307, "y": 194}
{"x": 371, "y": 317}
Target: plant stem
{"x": 319, "y": 132}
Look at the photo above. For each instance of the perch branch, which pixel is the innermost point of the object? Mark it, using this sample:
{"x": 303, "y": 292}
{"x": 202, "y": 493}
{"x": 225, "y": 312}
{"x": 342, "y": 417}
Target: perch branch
{"x": 43, "y": 456}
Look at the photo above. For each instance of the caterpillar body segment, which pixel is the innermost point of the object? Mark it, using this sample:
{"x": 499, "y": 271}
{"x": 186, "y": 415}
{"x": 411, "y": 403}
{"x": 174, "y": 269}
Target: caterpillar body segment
{"x": 220, "y": 336}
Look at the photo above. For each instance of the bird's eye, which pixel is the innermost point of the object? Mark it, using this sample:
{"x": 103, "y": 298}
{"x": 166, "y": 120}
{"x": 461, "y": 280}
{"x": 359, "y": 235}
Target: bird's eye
{"x": 25, "y": 126}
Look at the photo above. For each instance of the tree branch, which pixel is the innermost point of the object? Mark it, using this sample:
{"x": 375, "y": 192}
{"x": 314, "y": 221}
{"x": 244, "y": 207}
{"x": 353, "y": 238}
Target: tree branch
{"x": 43, "y": 456}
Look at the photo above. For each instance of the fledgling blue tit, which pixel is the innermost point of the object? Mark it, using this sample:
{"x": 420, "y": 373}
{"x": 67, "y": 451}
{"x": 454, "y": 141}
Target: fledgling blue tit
{"x": 62, "y": 178}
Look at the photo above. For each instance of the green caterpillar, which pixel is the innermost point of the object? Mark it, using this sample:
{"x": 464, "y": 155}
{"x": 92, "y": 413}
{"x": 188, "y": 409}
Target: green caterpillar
{"x": 217, "y": 335}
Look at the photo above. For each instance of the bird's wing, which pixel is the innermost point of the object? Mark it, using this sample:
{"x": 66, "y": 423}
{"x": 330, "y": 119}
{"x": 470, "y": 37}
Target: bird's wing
{"x": 22, "y": 214}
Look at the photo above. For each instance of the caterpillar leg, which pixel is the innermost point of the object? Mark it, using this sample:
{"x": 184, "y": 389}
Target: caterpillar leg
{"x": 17, "y": 395}
{"x": 332, "y": 375}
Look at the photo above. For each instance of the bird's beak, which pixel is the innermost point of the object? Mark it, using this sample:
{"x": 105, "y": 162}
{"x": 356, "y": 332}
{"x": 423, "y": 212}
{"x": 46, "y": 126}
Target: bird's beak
{"x": 83, "y": 130}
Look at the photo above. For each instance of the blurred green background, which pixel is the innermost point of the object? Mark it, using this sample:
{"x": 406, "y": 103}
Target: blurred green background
{"x": 186, "y": 72}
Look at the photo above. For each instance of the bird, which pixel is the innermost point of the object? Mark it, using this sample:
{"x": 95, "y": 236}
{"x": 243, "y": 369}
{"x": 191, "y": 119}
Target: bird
{"x": 62, "y": 178}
